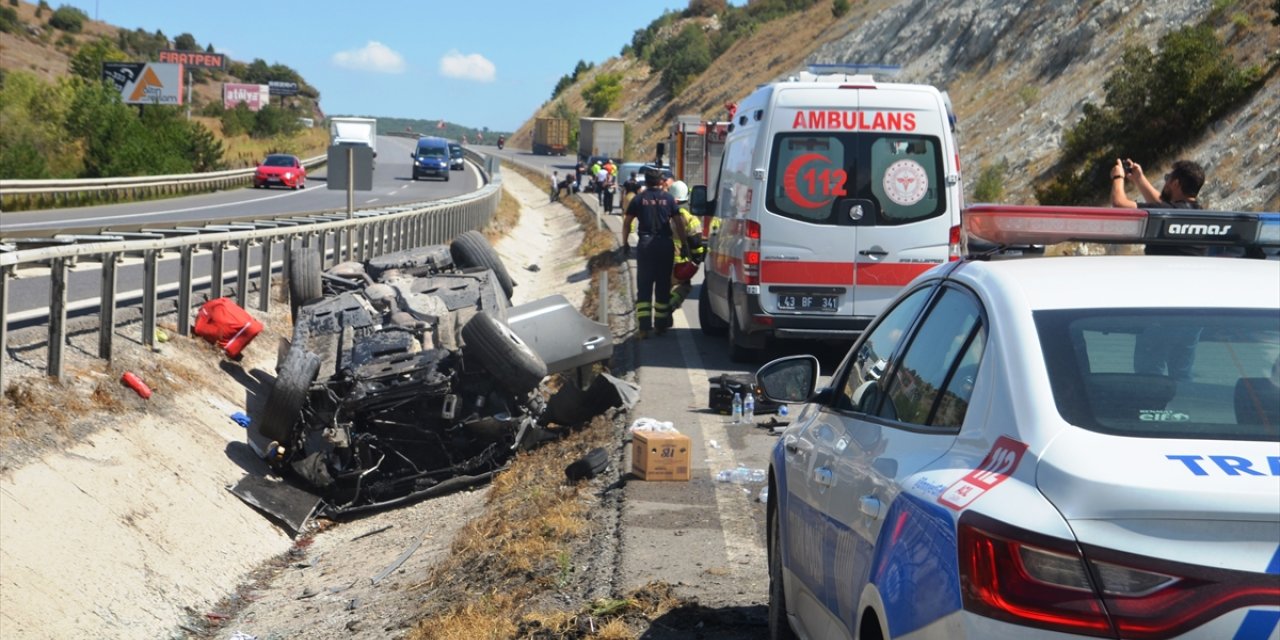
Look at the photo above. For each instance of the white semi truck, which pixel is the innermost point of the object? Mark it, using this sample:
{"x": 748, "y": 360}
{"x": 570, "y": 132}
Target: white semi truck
{"x": 362, "y": 131}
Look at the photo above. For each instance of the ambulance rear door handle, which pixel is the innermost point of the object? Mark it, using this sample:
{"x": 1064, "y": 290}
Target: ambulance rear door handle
{"x": 879, "y": 253}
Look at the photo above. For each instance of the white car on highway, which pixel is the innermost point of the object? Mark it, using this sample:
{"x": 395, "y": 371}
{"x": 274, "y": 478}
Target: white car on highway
{"x": 1044, "y": 447}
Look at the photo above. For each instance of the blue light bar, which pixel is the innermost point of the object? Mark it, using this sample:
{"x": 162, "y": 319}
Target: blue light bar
{"x": 852, "y": 69}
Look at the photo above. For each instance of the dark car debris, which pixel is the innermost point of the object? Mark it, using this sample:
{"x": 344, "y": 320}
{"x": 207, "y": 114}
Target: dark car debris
{"x": 411, "y": 375}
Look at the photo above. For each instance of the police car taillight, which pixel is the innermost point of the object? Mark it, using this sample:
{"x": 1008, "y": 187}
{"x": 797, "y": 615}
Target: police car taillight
{"x": 1025, "y": 578}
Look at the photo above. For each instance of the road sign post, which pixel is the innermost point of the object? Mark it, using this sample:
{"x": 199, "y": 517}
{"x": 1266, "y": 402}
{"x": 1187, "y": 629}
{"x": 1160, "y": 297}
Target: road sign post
{"x": 350, "y": 167}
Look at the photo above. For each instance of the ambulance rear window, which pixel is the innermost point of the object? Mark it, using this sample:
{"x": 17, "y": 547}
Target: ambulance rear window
{"x": 814, "y": 176}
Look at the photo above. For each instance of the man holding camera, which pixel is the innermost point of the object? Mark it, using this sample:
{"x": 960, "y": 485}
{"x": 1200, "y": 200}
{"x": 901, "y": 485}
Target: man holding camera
{"x": 1181, "y": 186}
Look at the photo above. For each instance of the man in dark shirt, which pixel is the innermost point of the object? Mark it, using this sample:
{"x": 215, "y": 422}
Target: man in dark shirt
{"x": 1181, "y": 190}
{"x": 654, "y": 211}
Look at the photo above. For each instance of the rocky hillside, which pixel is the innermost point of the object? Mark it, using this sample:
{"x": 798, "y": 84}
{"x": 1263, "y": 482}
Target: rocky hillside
{"x": 1019, "y": 74}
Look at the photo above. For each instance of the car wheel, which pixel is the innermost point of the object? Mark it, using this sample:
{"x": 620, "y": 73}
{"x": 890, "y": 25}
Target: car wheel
{"x": 707, "y": 319}
{"x": 513, "y": 365}
{"x": 293, "y": 379}
{"x": 470, "y": 249}
{"x": 737, "y": 351}
{"x": 304, "y": 278}
{"x": 779, "y": 627}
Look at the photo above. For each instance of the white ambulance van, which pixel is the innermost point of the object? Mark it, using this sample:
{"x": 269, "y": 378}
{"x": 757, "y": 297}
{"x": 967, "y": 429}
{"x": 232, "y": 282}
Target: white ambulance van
{"x": 834, "y": 191}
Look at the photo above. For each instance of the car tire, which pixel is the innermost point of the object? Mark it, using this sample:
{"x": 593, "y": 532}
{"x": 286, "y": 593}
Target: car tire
{"x": 511, "y": 363}
{"x": 711, "y": 324}
{"x": 588, "y": 466}
{"x": 304, "y": 278}
{"x": 779, "y": 627}
{"x": 293, "y": 379}
{"x": 470, "y": 249}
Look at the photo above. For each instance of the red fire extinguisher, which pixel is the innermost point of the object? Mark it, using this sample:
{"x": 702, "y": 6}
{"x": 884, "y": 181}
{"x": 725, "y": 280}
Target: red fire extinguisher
{"x": 136, "y": 384}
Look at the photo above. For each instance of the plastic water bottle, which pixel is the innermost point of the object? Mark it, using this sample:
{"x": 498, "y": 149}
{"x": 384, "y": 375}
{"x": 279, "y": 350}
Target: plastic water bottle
{"x": 764, "y": 494}
{"x": 742, "y": 475}
{"x": 783, "y": 411}
{"x": 749, "y": 409}
{"x": 737, "y": 409}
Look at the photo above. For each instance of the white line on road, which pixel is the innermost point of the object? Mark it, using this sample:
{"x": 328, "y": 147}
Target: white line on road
{"x": 371, "y": 200}
{"x": 116, "y": 216}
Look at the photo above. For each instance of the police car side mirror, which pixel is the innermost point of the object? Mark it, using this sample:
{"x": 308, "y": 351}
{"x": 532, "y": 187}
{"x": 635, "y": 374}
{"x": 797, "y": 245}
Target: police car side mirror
{"x": 790, "y": 379}
{"x": 698, "y": 204}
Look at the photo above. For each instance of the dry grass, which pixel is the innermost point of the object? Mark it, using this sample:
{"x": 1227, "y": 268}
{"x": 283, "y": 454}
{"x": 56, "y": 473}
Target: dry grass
{"x": 504, "y": 219}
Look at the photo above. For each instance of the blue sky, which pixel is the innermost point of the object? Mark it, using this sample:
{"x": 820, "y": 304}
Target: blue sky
{"x": 473, "y": 63}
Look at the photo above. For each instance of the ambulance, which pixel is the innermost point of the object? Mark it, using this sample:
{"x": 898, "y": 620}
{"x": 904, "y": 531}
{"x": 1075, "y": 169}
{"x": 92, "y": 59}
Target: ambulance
{"x": 834, "y": 191}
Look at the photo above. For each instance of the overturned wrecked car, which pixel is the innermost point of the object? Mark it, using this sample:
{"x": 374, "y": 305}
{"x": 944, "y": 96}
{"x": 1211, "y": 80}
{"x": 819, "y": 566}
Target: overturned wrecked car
{"x": 411, "y": 374}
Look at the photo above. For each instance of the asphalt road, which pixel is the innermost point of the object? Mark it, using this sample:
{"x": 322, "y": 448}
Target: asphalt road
{"x": 392, "y": 184}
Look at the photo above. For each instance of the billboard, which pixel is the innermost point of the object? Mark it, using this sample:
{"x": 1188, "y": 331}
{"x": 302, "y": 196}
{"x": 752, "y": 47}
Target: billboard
{"x": 145, "y": 82}
{"x": 255, "y": 96}
{"x": 194, "y": 58}
{"x": 282, "y": 88}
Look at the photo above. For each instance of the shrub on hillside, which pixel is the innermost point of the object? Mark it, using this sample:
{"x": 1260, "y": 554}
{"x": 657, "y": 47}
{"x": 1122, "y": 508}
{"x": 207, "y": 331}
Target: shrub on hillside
{"x": 271, "y": 121}
{"x": 87, "y": 61}
{"x": 68, "y": 18}
{"x": 839, "y": 7}
{"x": 990, "y": 186}
{"x": 9, "y": 21}
{"x": 604, "y": 93}
{"x": 682, "y": 58}
{"x": 238, "y": 120}
{"x": 1156, "y": 103}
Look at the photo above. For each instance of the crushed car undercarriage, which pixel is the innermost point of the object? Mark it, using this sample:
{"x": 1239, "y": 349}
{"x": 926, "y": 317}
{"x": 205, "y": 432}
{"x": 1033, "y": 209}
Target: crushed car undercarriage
{"x": 404, "y": 378}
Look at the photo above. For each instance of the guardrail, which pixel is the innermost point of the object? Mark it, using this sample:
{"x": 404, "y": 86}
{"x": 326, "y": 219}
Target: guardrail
{"x": 368, "y": 234}
{"x": 56, "y": 193}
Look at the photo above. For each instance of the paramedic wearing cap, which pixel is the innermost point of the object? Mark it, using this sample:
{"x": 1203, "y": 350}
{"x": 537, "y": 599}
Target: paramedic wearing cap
{"x": 686, "y": 264}
{"x": 657, "y": 223}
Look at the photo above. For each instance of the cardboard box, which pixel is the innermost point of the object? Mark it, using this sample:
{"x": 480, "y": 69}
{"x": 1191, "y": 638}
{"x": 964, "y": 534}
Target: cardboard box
{"x": 660, "y": 455}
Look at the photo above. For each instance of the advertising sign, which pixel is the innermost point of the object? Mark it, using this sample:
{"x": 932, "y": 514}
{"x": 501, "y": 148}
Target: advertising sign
{"x": 145, "y": 82}
{"x": 255, "y": 96}
{"x": 283, "y": 88}
{"x": 194, "y": 58}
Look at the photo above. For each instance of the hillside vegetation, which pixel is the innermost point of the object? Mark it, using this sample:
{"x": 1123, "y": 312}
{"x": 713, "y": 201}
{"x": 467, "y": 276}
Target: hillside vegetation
{"x": 59, "y": 120}
{"x": 1047, "y": 94}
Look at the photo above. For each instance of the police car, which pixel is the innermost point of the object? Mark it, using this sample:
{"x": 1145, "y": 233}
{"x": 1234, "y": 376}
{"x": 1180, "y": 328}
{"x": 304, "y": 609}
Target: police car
{"x": 1043, "y": 447}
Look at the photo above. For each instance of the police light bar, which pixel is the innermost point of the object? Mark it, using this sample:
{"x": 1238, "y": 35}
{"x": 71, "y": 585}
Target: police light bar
{"x": 852, "y": 69}
{"x": 1013, "y": 225}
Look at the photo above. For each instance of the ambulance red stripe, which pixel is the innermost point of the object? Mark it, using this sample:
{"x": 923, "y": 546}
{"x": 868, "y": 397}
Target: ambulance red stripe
{"x": 841, "y": 273}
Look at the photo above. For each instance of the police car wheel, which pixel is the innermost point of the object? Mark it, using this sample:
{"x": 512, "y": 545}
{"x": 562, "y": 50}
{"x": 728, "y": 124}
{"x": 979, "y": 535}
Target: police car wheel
{"x": 293, "y": 377}
{"x": 304, "y": 278}
{"x": 707, "y": 320}
{"x": 779, "y": 627}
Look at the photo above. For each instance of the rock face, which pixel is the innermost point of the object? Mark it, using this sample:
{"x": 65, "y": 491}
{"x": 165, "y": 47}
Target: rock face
{"x": 1020, "y": 72}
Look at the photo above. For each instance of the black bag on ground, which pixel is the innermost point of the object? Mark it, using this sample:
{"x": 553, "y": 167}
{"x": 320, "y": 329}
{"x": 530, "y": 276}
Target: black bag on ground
{"x": 725, "y": 385}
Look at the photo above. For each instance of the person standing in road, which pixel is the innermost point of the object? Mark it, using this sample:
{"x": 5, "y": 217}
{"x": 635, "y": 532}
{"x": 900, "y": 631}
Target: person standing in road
{"x": 610, "y": 187}
{"x": 686, "y": 263}
{"x": 602, "y": 176}
{"x": 660, "y": 230}
{"x": 555, "y": 186}
{"x": 629, "y": 190}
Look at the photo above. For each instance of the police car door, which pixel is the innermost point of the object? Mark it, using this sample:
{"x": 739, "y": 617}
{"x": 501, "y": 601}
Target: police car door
{"x": 900, "y": 201}
{"x": 896, "y": 418}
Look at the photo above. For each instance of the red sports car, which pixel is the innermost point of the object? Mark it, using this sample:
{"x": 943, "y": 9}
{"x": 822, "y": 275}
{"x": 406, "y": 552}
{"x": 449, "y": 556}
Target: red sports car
{"x": 280, "y": 169}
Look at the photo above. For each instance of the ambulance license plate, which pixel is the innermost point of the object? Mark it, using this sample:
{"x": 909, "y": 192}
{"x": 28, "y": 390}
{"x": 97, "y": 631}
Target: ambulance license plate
{"x": 808, "y": 302}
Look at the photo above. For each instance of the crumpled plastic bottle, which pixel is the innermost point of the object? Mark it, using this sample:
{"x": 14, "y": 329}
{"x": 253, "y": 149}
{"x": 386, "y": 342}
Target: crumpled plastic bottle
{"x": 742, "y": 475}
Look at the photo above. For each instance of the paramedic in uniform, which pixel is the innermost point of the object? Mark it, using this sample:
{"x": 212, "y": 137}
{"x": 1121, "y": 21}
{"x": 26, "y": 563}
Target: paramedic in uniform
{"x": 686, "y": 264}
{"x": 659, "y": 227}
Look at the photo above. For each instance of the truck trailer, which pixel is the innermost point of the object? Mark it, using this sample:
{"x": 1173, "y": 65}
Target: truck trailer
{"x": 602, "y": 137}
{"x": 550, "y": 136}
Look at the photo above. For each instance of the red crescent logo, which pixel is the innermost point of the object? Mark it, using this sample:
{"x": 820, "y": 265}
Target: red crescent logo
{"x": 793, "y": 171}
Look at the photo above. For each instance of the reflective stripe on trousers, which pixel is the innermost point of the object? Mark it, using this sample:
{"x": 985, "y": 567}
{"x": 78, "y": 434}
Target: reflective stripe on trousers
{"x": 655, "y": 256}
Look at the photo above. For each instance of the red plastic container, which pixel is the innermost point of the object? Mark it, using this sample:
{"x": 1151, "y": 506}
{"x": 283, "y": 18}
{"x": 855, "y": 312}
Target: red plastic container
{"x": 136, "y": 384}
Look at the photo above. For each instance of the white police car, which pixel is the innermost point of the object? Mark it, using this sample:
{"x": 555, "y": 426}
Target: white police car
{"x": 1043, "y": 447}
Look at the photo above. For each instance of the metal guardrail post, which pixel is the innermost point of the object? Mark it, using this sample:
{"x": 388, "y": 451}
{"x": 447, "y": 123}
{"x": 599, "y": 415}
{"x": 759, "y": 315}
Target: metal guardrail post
{"x": 4, "y": 313}
{"x": 57, "y": 315}
{"x": 184, "y": 290}
{"x": 215, "y": 270}
{"x": 264, "y": 276}
{"x": 150, "y": 267}
{"x": 287, "y": 259}
{"x": 242, "y": 274}
{"x": 319, "y": 241}
{"x": 603, "y": 301}
{"x": 107, "y": 314}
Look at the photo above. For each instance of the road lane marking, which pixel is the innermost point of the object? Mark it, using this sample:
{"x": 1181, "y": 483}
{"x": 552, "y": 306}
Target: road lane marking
{"x": 738, "y": 532}
{"x": 371, "y": 200}
{"x": 116, "y": 217}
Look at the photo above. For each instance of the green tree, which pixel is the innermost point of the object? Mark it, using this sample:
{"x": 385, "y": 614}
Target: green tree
{"x": 9, "y": 21}
{"x": 839, "y": 7}
{"x": 238, "y": 120}
{"x": 41, "y": 8}
{"x": 706, "y": 7}
{"x": 185, "y": 42}
{"x": 271, "y": 121}
{"x": 68, "y": 18}
{"x": 682, "y": 58}
{"x": 33, "y": 142}
{"x": 109, "y": 130}
{"x": 87, "y": 61}
{"x": 604, "y": 94}
{"x": 1155, "y": 104}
